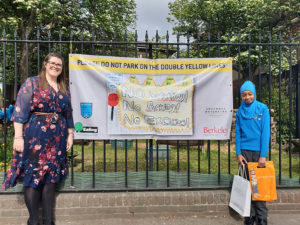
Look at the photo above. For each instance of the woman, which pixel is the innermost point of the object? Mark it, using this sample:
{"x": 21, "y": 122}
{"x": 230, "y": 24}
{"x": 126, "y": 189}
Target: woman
{"x": 252, "y": 141}
{"x": 43, "y": 126}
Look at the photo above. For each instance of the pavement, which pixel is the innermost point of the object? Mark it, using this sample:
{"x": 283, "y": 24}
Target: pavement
{"x": 274, "y": 219}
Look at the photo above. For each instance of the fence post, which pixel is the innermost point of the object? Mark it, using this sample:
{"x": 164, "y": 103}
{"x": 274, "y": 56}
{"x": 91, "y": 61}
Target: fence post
{"x": 151, "y": 140}
{"x": 4, "y": 99}
{"x": 298, "y": 100}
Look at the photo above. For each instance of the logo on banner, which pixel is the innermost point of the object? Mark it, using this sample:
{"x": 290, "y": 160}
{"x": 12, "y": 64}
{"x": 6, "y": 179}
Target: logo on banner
{"x": 81, "y": 129}
{"x": 215, "y": 130}
{"x": 78, "y": 127}
{"x": 86, "y": 109}
{"x": 215, "y": 111}
{"x": 89, "y": 130}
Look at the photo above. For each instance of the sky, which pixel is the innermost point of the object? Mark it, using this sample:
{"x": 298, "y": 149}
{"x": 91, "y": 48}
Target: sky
{"x": 152, "y": 16}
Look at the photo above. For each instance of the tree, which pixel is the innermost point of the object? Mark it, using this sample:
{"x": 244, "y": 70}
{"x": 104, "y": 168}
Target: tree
{"x": 105, "y": 18}
{"x": 224, "y": 20}
{"x": 233, "y": 16}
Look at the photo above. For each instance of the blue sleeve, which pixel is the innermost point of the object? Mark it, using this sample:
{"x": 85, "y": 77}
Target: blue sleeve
{"x": 9, "y": 112}
{"x": 23, "y": 103}
{"x": 265, "y": 133}
{"x": 238, "y": 135}
{"x": 1, "y": 114}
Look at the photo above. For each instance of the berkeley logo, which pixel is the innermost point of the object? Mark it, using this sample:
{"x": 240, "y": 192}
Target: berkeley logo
{"x": 214, "y": 130}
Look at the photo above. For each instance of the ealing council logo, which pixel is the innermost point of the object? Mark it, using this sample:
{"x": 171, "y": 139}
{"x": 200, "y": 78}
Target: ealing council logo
{"x": 81, "y": 129}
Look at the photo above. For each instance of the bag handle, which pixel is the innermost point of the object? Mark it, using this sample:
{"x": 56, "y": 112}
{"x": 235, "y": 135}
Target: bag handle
{"x": 242, "y": 171}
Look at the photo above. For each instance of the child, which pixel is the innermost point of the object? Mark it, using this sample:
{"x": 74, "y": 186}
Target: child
{"x": 1, "y": 116}
{"x": 9, "y": 111}
{"x": 252, "y": 137}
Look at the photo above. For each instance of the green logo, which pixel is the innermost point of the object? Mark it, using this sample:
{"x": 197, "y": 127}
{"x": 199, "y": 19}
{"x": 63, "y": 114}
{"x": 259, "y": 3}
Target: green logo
{"x": 78, "y": 127}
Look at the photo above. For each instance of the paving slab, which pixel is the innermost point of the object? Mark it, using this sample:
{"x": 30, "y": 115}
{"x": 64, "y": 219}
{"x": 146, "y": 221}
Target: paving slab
{"x": 165, "y": 219}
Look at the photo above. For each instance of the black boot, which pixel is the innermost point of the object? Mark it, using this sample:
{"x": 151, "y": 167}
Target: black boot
{"x": 32, "y": 223}
{"x": 262, "y": 222}
{"x": 249, "y": 220}
{"x": 47, "y": 222}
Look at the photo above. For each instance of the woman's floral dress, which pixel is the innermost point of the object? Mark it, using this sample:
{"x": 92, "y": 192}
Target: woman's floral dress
{"x": 44, "y": 158}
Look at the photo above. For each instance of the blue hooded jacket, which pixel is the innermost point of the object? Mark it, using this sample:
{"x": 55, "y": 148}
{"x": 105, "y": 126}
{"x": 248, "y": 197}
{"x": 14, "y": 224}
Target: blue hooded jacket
{"x": 9, "y": 112}
{"x": 1, "y": 115}
{"x": 252, "y": 130}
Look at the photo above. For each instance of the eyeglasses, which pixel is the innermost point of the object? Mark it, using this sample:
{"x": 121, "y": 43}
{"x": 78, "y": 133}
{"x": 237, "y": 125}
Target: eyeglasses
{"x": 55, "y": 64}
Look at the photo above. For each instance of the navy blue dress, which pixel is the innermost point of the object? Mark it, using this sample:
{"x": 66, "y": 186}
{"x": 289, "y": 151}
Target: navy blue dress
{"x": 44, "y": 159}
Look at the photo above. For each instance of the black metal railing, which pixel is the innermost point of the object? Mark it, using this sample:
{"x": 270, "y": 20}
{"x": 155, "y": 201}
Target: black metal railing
{"x": 267, "y": 60}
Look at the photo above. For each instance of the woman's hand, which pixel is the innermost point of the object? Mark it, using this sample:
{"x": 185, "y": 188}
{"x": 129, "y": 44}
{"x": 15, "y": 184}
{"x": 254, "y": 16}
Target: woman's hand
{"x": 241, "y": 160}
{"x": 18, "y": 144}
{"x": 69, "y": 141}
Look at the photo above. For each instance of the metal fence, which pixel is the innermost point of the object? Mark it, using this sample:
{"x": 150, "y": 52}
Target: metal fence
{"x": 269, "y": 61}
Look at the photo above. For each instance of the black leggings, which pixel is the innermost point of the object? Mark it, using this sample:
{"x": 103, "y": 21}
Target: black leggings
{"x": 32, "y": 198}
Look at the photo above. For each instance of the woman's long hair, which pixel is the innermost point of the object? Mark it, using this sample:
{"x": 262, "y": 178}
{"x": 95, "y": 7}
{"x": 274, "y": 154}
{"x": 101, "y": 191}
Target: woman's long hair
{"x": 61, "y": 79}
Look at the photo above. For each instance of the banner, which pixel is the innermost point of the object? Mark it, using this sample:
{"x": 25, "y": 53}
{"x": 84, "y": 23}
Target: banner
{"x": 130, "y": 98}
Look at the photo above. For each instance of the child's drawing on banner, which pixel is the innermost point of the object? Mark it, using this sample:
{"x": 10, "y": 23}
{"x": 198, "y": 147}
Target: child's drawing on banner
{"x": 161, "y": 105}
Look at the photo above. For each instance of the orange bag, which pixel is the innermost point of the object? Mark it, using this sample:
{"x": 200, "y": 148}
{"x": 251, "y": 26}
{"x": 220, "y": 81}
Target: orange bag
{"x": 262, "y": 182}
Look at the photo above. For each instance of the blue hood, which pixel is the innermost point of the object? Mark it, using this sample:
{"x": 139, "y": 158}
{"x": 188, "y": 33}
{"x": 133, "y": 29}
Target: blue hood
{"x": 250, "y": 111}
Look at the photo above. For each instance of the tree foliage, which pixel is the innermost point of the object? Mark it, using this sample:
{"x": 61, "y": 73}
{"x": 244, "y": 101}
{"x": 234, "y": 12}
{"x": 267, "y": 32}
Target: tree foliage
{"x": 233, "y": 16}
{"x": 101, "y": 16}
{"x": 56, "y": 18}
{"x": 284, "y": 121}
{"x": 266, "y": 21}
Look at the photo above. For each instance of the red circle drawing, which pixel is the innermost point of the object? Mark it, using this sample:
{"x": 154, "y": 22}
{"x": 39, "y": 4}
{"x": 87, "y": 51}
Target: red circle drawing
{"x": 113, "y": 99}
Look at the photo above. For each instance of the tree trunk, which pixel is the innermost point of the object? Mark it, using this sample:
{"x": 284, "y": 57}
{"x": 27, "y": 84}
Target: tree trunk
{"x": 23, "y": 73}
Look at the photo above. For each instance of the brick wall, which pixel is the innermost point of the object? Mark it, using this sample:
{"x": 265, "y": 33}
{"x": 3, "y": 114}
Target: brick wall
{"x": 123, "y": 204}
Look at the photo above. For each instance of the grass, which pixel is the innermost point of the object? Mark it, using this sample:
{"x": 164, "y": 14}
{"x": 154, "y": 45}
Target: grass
{"x": 8, "y": 147}
{"x": 194, "y": 154}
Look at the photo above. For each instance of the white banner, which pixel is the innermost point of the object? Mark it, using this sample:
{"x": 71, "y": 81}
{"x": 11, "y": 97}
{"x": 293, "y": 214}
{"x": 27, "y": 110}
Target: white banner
{"x": 129, "y": 98}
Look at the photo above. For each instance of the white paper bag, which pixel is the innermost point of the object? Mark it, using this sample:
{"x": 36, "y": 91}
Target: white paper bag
{"x": 240, "y": 198}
